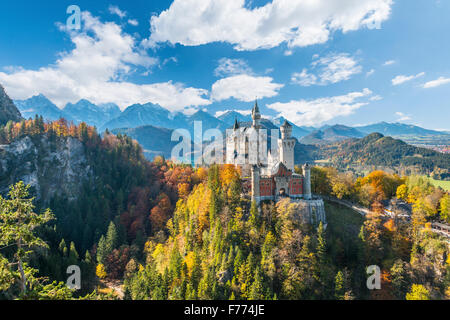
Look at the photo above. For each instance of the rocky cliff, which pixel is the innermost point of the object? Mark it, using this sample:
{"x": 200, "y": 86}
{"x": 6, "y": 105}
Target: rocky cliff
{"x": 52, "y": 166}
{"x": 8, "y": 110}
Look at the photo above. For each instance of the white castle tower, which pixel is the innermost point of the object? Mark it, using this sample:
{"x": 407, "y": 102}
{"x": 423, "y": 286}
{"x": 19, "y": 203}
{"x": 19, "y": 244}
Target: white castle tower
{"x": 256, "y": 116}
{"x": 286, "y": 146}
{"x": 253, "y": 136}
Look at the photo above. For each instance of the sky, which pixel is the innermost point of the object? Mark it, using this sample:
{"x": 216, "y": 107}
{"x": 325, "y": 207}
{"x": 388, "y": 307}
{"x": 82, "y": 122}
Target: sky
{"x": 314, "y": 62}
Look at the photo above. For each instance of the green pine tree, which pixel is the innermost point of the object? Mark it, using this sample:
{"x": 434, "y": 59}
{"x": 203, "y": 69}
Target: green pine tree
{"x": 339, "y": 290}
{"x": 18, "y": 223}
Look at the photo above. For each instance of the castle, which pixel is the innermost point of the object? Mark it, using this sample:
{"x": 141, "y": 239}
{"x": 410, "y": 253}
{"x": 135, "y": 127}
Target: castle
{"x": 271, "y": 172}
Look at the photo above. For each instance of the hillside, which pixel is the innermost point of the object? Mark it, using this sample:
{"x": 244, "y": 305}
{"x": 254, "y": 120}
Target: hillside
{"x": 88, "y": 181}
{"x": 8, "y": 111}
{"x": 154, "y": 141}
{"x": 378, "y": 150}
{"x": 53, "y": 167}
{"x": 174, "y": 232}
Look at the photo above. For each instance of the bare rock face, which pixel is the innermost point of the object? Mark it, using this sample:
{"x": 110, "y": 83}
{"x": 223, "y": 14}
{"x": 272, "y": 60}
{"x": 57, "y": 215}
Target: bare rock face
{"x": 224, "y": 276}
{"x": 52, "y": 167}
{"x": 8, "y": 110}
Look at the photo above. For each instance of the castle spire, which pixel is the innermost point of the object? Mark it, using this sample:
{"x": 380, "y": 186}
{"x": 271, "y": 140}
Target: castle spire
{"x": 256, "y": 116}
{"x": 236, "y": 124}
{"x": 255, "y": 111}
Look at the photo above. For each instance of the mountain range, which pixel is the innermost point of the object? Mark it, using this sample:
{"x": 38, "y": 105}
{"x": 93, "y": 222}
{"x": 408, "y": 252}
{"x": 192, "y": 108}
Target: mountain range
{"x": 85, "y": 111}
{"x": 153, "y": 115}
{"x": 331, "y": 134}
{"x": 230, "y": 116}
{"x": 397, "y": 129}
{"x": 42, "y": 106}
{"x": 109, "y": 116}
{"x": 82, "y": 111}
{"x": 340, "y": 145}
{"x": 297, "y": 131}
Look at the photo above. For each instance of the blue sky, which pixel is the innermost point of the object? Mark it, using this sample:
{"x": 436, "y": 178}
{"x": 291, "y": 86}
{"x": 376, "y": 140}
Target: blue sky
{"x": 314, "y": 62}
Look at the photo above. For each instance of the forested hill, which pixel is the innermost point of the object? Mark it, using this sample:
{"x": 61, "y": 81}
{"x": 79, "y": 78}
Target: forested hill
{"x": 154, "y": 140}
{"x": 89, "y": 182}
{"x": 173, "y": 232}
{"x": 8, "y": 111}
{"x": 378, "y": 150}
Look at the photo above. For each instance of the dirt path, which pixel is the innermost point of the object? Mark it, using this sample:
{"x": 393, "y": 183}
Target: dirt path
{"x": 115, "y": 286}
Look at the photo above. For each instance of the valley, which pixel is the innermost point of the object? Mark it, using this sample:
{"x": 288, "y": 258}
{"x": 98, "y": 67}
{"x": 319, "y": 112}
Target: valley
{"x": 143, "y": 227}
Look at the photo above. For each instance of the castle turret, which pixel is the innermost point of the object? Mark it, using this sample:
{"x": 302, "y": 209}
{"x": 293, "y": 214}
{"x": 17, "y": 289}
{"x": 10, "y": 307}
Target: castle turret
{"x": 256, "y": 173}
{"x": 307, "y": 182}
{"x": 236, "y": 125}
{"x": 286, "y": 146}
{"x": 286, "y": 130}
{"x": 233, "y": 148}
{"x": 256, "y": 116}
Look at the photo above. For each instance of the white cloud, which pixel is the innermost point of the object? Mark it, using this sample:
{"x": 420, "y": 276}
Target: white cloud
{"x": 170, "y": 59}
{"x": 376, "y": 98}
{"x": 244, "y": 88}
{"x": 304, "y": 78}
{"x": 402, "y": 116}
{"x": 103, "y": 56}
{"x": 298, "y": 23}
{"x": 316, "y": 112}
{"x": 371, "y": 72}
{"x": 402, "y": 79}
{"x": 133, "y": 22}
{"x": 116, "y": 10}
{"x": 389, "y": 63}
{"x": 232, "y": 67}
{"x": 330, "y": 69}
{"x": 436, "y": 83}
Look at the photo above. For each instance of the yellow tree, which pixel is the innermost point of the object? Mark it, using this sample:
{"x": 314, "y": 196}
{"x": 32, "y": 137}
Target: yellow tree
{"x": 418, "y": 292}
{"x": 101, "y": 271}
{"x": 183, "y": 190}
{"x": 402, "y": 192}
{"x": 418, "y": 216}
{"x": 445, "y": 208}
{"x": 228, "y": 173}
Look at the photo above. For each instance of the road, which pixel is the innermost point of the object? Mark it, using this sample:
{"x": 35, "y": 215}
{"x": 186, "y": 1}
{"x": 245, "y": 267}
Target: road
{"x": 438, "y": 228}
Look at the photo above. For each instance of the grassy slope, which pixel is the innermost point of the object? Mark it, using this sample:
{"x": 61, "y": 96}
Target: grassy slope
{"x": 440, "y": 183}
